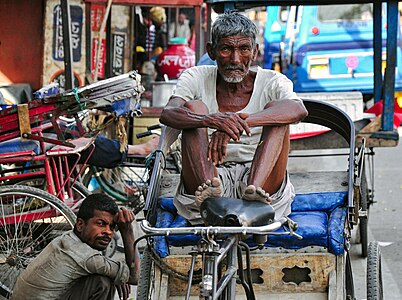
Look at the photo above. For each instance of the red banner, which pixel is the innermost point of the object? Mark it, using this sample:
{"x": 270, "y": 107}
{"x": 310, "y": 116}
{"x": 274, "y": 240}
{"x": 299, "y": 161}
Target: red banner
{"x": 97, "y": 15}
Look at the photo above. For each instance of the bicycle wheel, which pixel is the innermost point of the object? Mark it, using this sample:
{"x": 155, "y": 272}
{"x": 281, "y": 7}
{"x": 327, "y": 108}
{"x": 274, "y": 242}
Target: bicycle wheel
{"x": 363, "y": 226}
{"x": 146, "y": 281}
{"x": 349, "y": 285}
{"x": 78, "y": 191}
{"x": 374, "y": 272}
{"x": 29, "y": 219}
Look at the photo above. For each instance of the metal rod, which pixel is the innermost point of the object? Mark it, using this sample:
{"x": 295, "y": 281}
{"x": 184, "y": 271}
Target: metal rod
{"x": 226, "y": 278}
{"x": 190, "y": 276}
{"x": 377, "y": 30}
{"x": 228, "y": 243}
{"x": 88, "y": 43}
{"x": 250, "y": 294}
{"x": 199, "y": 230}
{"x": 387, "y": 121}
{"x": 109, "y": 46}
{"x": 197, "y": 29}
{"x": 232, "y": 259}
{"x": 68, "y": 51}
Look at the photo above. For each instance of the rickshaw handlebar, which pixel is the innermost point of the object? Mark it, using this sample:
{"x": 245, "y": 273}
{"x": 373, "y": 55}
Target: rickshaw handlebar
{"x": 214, "y": 230}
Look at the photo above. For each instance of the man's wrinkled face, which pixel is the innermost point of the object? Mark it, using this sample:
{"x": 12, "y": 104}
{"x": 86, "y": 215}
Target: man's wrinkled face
{"x": 234, "y": 55}
{"x": 98, "y": 231}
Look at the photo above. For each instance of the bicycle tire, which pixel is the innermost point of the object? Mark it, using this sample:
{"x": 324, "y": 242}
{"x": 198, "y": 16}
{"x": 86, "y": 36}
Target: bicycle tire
{"x": 79, "y": 190}
{"x": 80, "y": 193}
{"x": 349, "y": 285}
{"x": 374, "y": 273}
{"x": 363, "y": 226}
{"x": 29, "y": 219}
{"x": 146, "y": 280}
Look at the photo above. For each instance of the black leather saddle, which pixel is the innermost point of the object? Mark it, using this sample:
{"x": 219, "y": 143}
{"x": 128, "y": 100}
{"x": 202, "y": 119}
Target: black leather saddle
{"x": 222, "y": 211}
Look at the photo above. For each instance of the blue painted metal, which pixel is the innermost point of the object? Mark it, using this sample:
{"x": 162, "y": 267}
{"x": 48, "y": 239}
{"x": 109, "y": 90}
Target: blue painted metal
{"x": 387, "y": 121}
{"x": 335, "y": 46}
{"x": 229, "y": 7}
{"x": 377, "y": 32}
{"x": 275, "y": 29}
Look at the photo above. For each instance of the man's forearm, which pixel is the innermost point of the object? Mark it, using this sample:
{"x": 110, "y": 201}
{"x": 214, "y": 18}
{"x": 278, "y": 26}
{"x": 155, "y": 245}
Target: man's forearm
{"x": 181, "y": 118}
{"x": 277, "y": 113}
{"x": 132, "y": 256}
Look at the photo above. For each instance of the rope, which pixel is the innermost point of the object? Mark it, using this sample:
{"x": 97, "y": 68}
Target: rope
{"x": 77, "y": 98}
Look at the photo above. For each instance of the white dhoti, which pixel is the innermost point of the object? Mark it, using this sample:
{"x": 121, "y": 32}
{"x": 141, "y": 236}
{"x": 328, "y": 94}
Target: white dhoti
{"x": 234, "y": 180}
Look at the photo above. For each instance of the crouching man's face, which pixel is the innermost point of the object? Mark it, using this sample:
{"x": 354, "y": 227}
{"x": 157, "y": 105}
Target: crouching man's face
{"x": 97, "y": 232}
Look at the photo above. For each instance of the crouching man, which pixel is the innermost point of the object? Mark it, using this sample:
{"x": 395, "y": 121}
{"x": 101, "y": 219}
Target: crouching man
{"x": 72, "y": 265}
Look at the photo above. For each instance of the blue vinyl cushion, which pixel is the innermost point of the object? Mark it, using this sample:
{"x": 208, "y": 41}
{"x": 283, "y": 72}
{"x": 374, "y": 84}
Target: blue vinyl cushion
{"x": 320, "y": 217}
{"x": 312, "y": 226}
{"x": 16, "y": 145}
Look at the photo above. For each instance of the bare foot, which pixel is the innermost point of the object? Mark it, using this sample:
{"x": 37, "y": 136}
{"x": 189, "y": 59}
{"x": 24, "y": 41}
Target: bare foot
{"x": 145, "y": 148}
{"x": 251, "y": 193}
{"x": 211, "y": 188}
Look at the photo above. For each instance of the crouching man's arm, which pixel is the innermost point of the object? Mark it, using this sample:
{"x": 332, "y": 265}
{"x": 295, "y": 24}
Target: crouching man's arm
{"x": 124, "y": 223}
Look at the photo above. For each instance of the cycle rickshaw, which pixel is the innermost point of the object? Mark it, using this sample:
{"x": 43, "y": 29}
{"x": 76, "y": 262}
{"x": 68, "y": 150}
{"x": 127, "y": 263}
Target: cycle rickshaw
{"x": 305, "y": 256}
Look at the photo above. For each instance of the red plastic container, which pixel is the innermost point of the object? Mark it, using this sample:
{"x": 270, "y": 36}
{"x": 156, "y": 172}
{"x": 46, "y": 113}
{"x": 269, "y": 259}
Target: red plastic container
{"x": 176, "y": 58}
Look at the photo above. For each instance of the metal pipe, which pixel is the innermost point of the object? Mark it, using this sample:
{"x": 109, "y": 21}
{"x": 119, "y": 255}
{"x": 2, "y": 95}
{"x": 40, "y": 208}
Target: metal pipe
{"x": 228, "y": 276}
{"x": 228, "y": 243}
{"x": 68, "y": 51}
{"x": 190, "y": 276}
{"x": 387, "y": 120}
{"x": 201, "y": 230}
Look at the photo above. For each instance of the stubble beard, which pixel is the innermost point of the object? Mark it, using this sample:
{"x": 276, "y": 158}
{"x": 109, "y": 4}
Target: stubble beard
{"x": 235, "y": 79}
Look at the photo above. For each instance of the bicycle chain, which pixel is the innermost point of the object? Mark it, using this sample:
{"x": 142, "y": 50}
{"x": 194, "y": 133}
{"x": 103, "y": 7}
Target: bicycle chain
{"x": 171, "y": 271}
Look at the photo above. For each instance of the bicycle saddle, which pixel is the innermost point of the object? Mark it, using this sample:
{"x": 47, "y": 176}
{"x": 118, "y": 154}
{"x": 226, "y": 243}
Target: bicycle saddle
{"x": 222, "y": 211}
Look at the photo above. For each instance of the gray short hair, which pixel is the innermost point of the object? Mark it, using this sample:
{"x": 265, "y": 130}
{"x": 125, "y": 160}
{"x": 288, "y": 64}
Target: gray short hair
{"x": 232, "y": 23}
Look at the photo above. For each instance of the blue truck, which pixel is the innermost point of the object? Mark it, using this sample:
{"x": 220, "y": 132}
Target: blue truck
{"x": 328, "y": 48}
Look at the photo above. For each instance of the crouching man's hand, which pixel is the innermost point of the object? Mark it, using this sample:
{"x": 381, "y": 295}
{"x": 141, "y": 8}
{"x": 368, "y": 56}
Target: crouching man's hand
{"x": 124, "y": 218}
{"x": 123, "y": 291}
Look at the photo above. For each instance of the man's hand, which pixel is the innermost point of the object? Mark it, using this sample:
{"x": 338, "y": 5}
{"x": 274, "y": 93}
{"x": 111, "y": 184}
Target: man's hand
{"x": 123, "y": 219}
{"x": 229, "y": 122}
{"x": 217, "y": 147}
{"x": 123, "y": 291}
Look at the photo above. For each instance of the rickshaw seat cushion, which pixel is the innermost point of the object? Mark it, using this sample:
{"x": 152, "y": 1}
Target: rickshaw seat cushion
{"x": 312, "y": 226}
{"x": 324, "y": 201}
{"x": 166, "y": 203}
{"x": 223, "y": 211}
{"x": 320, "y": 217}
{"x": 17, "y": 145}
{"x": 336, "y": 229}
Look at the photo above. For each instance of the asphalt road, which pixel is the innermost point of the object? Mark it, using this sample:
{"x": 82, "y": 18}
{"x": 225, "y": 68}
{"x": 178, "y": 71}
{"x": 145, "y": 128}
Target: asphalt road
{"x": 385, "y": 222}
